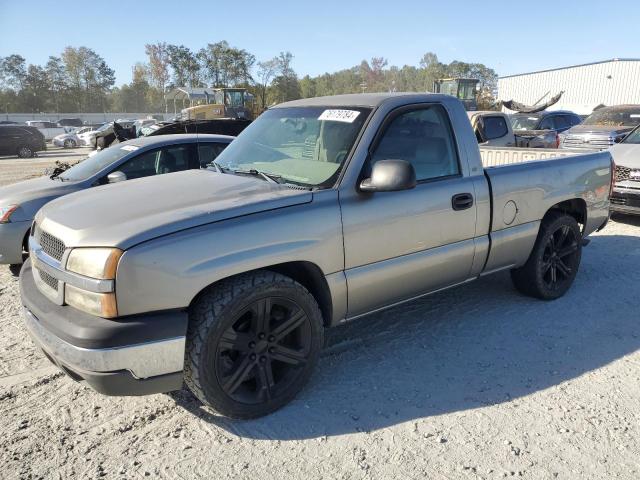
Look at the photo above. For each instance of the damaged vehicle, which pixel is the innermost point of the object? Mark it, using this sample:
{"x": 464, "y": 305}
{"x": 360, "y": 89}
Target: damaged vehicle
{"x": 603, "y": 128}
{"x": 322, "y": 211}
{"x": 138, "y": 158}
{"x": 626, "y": 192}
{"x": 495, "y": 129}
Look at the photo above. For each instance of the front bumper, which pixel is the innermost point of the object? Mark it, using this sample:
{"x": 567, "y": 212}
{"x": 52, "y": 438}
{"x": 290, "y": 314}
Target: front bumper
{"x": 137, "y": 355}
{"x": 11, "y": 241}
{"x": 626, "y": 200}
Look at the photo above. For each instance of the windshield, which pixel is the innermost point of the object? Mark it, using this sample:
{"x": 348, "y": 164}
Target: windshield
{"x": 524, "y": 122}
{"x": 633, "y": 137}
{"x": 303, "y": 145}
{"x": 93, "y": 164}
{"x": 234, "y": 98}
{"x": 104, "y": 127}
{"x": 626, "y": 117}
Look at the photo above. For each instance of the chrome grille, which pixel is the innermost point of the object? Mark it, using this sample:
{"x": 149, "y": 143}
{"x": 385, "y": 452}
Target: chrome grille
{"x": 626, "y": 173}
{"x": 622, "y": 173}
{"x": 588, "y": 142}
{"x": 52, "y": 246}
{"x": 48, "y": 279}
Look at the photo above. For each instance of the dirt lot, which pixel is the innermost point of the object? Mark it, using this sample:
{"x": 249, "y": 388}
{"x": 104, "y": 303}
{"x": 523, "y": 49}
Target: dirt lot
{"x": 476, "y": 382}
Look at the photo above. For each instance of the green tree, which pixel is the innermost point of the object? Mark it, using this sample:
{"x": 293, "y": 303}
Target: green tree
{"x": 159, "y": 61}
{"x": 185, "y": 66}
{"x": 35, "y": 89}
{"x": 13, "y": 71}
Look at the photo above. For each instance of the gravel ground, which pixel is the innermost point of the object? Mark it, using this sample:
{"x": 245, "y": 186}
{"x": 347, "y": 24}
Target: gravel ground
{"x": 474, "y": 382}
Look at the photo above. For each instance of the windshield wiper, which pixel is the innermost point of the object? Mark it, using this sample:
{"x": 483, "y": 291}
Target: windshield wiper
{"x": 269, "y": 177}
{"x": 215, "y": 165}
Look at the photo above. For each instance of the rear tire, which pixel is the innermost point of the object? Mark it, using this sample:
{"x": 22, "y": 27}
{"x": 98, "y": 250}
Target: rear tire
{"x": 252, "y": 344}
{"x": 554, "y": 260}
{"x": 25, "y": 151}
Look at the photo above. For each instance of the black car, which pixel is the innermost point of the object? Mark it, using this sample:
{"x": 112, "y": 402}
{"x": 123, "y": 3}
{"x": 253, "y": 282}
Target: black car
{"x": 70, "y": 122}
{"x": 558, "y": 120}
{"x": 21, "y": 140}
{"x": 222, "y": 126}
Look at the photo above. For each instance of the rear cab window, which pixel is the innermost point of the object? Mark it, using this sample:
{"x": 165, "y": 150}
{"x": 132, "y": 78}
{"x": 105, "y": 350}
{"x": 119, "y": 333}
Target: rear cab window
{"x": 495, "y": 127}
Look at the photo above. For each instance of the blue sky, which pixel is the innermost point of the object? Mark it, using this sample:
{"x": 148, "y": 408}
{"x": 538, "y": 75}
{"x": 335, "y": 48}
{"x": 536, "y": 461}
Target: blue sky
{"x": 327, "y": 35}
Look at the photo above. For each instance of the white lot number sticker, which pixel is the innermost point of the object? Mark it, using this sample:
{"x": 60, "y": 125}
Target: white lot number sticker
{"x": 129, "y": 148}
{"x": 347, "y": 116}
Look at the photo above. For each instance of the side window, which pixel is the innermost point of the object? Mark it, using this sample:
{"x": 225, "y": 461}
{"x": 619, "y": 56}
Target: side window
{"x": 575, "y": 120}
{"x": 208, "y": 152}
{"x": 424, "y": 138}
{"x": 169, "y": 159}
{"x": 547, "y": 123}
{"x": 495, "y": 127}
{"x": 562, "y": 122}
{"x": 143, "y": 165}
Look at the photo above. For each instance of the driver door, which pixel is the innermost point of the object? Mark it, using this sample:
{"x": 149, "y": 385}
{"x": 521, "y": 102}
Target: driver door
{"x": 402, "y": 244}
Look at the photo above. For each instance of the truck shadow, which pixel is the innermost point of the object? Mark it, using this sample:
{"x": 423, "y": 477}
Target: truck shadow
{"x": 477, "y": 345}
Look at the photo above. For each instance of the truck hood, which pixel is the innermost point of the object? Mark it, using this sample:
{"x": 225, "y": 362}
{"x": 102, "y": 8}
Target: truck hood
{"x": 603, "y": 130}
{"x": 125, "y": 214}
{"x": 626, "y": 155}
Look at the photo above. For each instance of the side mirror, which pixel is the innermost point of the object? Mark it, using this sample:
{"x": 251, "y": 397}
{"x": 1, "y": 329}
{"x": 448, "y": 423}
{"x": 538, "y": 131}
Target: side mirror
{"x": 619, "y": 139}
{"x": 390, "y": 176}
{"x": 115, "y": 177}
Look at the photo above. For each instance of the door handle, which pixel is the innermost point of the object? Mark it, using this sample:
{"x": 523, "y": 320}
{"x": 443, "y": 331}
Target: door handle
{"x": 461, "y": 201}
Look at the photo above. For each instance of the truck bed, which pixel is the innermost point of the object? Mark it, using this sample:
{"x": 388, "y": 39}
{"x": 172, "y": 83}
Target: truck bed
{"x": 524, "y": 187}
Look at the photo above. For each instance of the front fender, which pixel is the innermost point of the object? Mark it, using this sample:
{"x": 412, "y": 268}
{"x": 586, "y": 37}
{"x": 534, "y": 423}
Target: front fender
{"x": 168, "y": 272}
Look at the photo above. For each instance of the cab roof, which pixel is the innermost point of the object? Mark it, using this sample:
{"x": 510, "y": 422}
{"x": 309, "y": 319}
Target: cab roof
{"x": 360, "y": 99}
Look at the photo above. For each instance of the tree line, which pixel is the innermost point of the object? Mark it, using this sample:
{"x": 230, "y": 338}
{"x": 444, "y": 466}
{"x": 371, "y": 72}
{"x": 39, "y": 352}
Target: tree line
{"x": 80, "y": 80}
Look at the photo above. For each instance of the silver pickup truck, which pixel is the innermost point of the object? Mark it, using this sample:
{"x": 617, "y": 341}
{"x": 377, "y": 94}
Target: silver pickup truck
{"x": 322, "y": 211}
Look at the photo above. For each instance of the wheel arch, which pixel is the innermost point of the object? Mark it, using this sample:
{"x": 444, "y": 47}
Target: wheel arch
{"x": 307, "y": 274}
{"x": 575, "y": 207}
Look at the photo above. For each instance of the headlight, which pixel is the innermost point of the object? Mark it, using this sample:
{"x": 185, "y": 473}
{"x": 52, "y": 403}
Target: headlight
{"x": 99, "y": 304}
{"x": 5, "y": 213}
{"x": 98, "y": 263}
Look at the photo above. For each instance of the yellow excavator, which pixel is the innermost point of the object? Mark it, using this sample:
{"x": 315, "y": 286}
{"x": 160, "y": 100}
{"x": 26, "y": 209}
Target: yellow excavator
{"x": 223, "y": 103}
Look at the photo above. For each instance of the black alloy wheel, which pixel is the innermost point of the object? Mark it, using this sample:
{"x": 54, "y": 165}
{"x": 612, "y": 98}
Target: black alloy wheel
{"x": 260, "y": 354}
{"x": 560, "y": 257}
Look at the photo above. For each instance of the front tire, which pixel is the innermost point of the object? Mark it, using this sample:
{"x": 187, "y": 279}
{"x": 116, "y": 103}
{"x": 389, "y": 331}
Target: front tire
{"x": 25, "y": 151}
{"x": 554, "y": 260}
{"x": 252, "y": 343}
{"x": 69, "y": 143}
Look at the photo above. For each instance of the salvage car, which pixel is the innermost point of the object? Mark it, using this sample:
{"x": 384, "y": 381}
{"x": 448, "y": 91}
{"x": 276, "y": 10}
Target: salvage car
{"x": 556, "y": 120}
{"x": 323, "y": 210}
{"x": 21, "y": 140}
{"x": 48, "y": 129}
{"x": 138, "y": 158}
{"x": 494, "y": 129}
{"x": 603, "y": 128}
{"x": 626, "y": 192}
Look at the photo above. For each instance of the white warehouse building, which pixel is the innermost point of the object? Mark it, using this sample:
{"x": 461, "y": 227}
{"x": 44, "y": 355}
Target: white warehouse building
{"x": 610, "y": 82}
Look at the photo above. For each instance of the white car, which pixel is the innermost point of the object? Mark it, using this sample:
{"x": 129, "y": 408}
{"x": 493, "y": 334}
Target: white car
{"x": 48, "y": 129}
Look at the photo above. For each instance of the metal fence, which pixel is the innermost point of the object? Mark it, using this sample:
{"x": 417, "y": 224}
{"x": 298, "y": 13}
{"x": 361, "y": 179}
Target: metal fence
{"x": 85, "y": 117}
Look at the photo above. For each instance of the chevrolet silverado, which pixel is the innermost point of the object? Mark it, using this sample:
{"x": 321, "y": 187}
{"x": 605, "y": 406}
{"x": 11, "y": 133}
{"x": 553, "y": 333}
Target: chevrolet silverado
{"x": 322, "y": 211}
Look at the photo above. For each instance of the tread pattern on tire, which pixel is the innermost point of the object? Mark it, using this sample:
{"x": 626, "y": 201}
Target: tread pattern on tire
{"x": 204, "y": 314}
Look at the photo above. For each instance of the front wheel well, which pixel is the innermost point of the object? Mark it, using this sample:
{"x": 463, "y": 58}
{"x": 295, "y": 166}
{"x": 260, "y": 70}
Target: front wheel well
{"x": 576, "y": 208}
{"x": 306, "y": 274}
